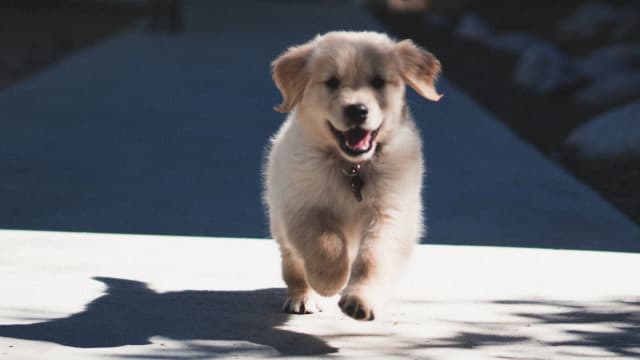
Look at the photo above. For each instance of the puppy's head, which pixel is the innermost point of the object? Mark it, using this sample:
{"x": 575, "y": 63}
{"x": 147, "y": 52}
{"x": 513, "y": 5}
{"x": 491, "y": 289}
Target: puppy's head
{"x": 347, "y": 88}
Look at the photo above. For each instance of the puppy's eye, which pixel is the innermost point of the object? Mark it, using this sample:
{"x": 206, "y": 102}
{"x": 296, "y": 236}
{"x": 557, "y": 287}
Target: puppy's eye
{"x": 333, "y": 83}
{"x": 378, "y": 82}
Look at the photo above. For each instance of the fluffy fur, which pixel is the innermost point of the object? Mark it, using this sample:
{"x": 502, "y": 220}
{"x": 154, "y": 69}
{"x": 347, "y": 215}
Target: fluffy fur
{"x": 329, "y": 240}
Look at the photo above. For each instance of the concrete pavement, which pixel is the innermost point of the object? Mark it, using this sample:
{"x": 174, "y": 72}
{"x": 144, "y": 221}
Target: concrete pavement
{"x": 96, "y": 296}
{"x": 163, "y": 134}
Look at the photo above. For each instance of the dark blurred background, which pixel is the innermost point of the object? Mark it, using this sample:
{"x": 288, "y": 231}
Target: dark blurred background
{"x": 563, "y": 75}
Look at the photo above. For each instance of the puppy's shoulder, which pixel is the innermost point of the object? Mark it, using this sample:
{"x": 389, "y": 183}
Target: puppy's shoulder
{"x": 404, "y": 144}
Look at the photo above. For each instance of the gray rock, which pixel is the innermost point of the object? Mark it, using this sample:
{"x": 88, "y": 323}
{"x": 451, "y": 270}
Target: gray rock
{"x": 515, "y": 42}
{"x": 615, "y": 133}
{"x": 629, "y": 53}
{"x": 588, "y": 21}
{"x": 473, "y": 27}
{"x": 610, "y": 91}
{"x": 627, "y": 28}
{"x": 544, "y": 68}
{"x": 602, "y": 63}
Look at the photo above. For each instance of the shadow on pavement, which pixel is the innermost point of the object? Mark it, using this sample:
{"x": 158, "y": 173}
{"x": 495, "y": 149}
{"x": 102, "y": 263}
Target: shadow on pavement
{"x": 131, "y": 314}
{"x": 612, "y": 327}
{"x": 621, "y": 338}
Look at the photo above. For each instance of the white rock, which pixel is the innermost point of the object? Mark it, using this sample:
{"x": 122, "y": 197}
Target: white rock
{"x": 587, "y": 21}
{"x": 612, "y": 134}
{"x": 602, "y": 63}
{"x": 544, "y": 68}
{"x": 629, "y": 53}
{"x": 473, "y": 27}
{"x": 610, "y": 91}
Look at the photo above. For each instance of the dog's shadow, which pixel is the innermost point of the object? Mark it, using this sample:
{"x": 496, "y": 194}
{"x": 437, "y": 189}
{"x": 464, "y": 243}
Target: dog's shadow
{"x": 130, "y": 314}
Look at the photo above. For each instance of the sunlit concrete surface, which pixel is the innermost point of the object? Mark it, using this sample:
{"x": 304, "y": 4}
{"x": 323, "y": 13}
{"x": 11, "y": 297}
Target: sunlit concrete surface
{"x": 96, "y": 296}
{"x": 164, "y": 133}
{"x": 150, "y": 132}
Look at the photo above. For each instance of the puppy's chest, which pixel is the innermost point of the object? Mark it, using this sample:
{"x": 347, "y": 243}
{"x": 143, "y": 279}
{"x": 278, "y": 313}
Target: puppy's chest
{"x": 345, "y": 188}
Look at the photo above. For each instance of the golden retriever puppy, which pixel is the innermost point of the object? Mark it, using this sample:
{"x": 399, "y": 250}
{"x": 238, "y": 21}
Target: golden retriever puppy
{"x": 343, "y": 174}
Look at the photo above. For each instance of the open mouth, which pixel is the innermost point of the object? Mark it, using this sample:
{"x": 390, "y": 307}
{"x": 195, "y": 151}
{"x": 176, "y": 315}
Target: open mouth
{"x": 355, "y": 141}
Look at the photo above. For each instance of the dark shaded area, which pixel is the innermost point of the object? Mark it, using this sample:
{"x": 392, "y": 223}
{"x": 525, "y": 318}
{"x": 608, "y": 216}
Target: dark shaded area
{"x": 163, "y": 131}
{"x": 485, "y": 74}
{"x": 481, "y": 72}
{"x": 130, "y": 314}
{"x": 617, "y": 181}
{"x": 166, "y": 16}
{"x": 38, "y": 33}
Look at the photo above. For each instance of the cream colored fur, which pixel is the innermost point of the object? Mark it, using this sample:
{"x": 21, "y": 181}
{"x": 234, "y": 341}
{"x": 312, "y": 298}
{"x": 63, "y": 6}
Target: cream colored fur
{"x": 329, "y": 241}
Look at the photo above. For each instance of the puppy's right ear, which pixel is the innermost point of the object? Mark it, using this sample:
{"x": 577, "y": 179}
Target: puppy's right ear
{"x": 290, "y": 74}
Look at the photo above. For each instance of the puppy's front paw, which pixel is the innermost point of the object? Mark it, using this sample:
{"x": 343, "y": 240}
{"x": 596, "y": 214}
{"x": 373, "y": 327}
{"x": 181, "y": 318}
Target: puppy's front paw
{"x": 301, "y": 304}
{"x": 356, "y": 307}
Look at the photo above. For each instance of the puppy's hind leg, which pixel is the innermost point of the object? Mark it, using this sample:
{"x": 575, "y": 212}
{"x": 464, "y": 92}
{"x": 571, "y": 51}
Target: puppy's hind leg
{"x": 381, "y": 257}
{"x": 301, "y": 299}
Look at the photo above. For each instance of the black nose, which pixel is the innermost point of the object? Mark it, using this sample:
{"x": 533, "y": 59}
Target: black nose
{"x": 356, "y": 113}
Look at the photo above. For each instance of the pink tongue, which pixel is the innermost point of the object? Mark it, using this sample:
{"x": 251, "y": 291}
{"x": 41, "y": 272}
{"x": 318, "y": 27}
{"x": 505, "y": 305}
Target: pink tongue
{"x": 358, "y": 138}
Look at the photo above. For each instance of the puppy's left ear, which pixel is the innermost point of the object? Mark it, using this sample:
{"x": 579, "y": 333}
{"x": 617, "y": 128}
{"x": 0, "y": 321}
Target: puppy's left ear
{"x": 290, "y": 74}
{"x": 419, "y": 69}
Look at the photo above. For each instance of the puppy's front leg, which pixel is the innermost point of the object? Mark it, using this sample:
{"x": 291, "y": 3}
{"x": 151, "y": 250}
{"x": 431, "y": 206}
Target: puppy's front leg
{"x": 301, "y": 299}
{"x": 381, "y": 257}
{"x": 322, "y": 246}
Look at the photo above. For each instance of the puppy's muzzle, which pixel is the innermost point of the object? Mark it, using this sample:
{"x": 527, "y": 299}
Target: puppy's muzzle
{"x": 356, "y": 114}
